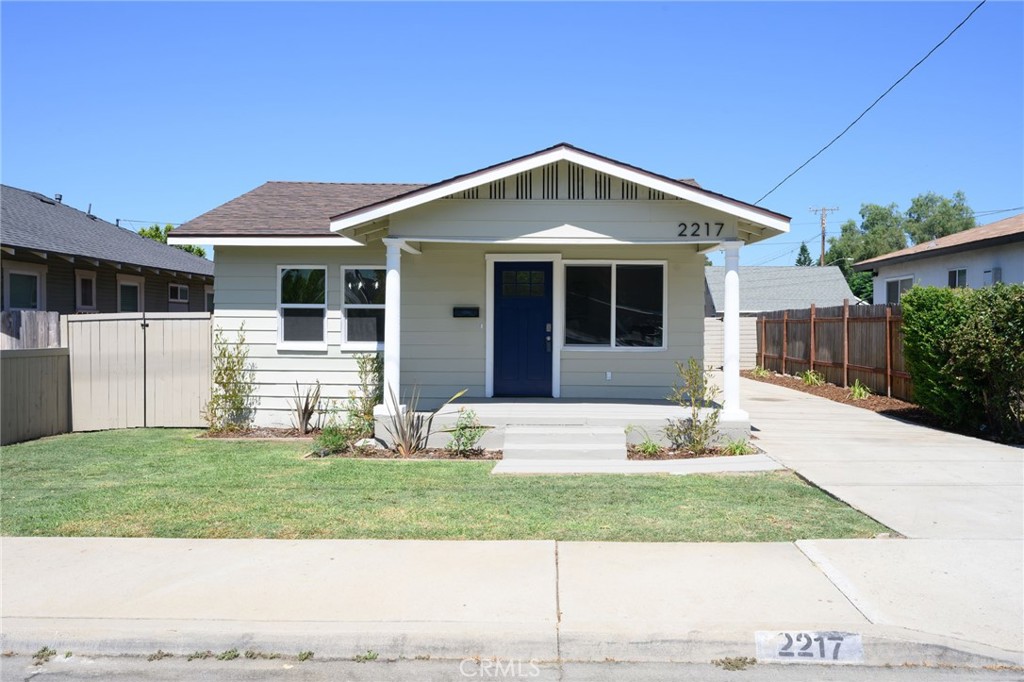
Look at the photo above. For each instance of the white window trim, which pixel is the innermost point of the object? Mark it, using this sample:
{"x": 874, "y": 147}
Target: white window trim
{"x": 207, "y": 290}
{"x": 896, "y": 279}
{"x": 358, "y": 345}
{"x": 612, "y": 348}
{"x": 301, "y": 345}
{"x": 178, "y": 286}
{"x": 949, "y": 270}
{"x": 37, "y": 271}
{"x": 79, "y": 276}
{"x": 137, "y": 281}
{"x": 557, "y": 315}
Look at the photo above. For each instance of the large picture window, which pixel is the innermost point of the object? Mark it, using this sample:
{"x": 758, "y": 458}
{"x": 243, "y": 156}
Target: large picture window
{"x": 615, "y": 305}
{"x": 362, "y": 307}
{"x": 302, "y": 310}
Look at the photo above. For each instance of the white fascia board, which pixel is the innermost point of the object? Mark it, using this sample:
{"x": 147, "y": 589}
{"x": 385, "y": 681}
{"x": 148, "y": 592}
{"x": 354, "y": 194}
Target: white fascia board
{"x": 265, "y": 241}
{"x": 533, "y": 241}
{"x": 553, "y": 156}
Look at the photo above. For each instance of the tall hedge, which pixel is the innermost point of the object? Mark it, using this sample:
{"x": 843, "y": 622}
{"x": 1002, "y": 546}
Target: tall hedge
{"x": 964, "y": 349}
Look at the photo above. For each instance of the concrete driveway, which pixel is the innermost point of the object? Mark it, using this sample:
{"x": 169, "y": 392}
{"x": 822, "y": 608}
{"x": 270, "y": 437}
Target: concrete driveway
{"x": 921, "y": 482}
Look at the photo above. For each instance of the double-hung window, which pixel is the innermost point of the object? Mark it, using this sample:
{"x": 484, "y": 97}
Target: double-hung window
{"x": 85, "y": 290}
{"x": 177, "y": 293}
{"x": 615, "y": 305}
{"x": 302, "y": 307}
{"x": 957, "y": 278}
{"x": 362, "y": 308}
{"x": 24, "y": 286}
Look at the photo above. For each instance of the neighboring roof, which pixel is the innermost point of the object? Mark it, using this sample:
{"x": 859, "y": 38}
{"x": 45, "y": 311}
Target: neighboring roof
{"x": 994, "y": 234}
{"x": 561, "y": 151}
{"x": 780, "y": 288}
{"x": 288, "y": 209}
{"x": 33, "y": 221}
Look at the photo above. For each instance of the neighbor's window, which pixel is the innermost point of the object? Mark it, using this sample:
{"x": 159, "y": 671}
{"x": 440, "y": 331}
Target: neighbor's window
{"x": 130, "y": 294}
{"x": 23, "y": 291}
{"x": 958, "y": 278}
{"x": 895, "y": 288}
{"x": 208, "y": 290}
{"x": 618, "y": 305}
{"x": 362, "y": 307}
{"x": 177, "y": 293}
{"x": 303, "y": 307}
{"x": 85, "y": 290}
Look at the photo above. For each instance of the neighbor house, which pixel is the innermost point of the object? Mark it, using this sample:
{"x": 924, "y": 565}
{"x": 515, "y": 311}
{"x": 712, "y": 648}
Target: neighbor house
{"x": 766, "y": 288}
{"x": 560, "y": 274}
{"x": 58, "y": 258}
{"x": 975, "y": 258}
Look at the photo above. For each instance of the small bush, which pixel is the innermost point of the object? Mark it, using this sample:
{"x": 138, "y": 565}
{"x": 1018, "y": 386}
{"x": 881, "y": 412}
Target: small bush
{"x": 410, "y": 429}
{"x": 466, "y": 433}
{"x": 760, "y": 372}
{"x": 332, "y": 439}
{"x": 812, "y": 378}
{"x": 233, "y": 392}
{"x": 360, "y": 420}
{"x": 694, "y": 392}
{"x": 859, "y": 391}
{"x": 738, "y": 446}
{"x": 647, "y": 446}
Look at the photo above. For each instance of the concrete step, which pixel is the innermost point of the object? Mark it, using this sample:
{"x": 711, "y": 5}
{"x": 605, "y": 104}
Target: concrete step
{"x": 564, "y": 442}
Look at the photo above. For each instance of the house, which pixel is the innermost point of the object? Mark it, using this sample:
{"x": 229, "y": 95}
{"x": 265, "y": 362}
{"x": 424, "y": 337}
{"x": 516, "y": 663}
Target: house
{"x": 766, "y": 288}
{"x": 58, "y": 258}
{"x": 974, "y": 258}
{"x": 559, "y": 274}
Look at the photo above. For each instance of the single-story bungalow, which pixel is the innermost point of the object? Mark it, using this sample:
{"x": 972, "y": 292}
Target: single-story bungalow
{"x": 559, "y": 274}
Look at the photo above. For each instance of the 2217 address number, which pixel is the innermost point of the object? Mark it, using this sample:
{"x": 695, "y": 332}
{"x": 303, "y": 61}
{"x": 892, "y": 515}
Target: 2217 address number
{"x": 700, "y": 229}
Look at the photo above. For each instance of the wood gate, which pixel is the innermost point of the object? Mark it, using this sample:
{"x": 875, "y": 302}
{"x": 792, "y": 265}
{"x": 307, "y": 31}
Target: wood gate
{"x": 139, "y": 369}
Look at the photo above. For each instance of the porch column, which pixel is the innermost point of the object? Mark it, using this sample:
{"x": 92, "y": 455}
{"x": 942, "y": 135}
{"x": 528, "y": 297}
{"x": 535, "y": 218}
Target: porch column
{"x": 393, "y": 322}
{"x": 731, "y": 331}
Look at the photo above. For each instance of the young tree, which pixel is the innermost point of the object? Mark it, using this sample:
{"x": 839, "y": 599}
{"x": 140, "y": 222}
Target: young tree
{"x": 159, "y": 234}
{"x": 804, "y": 257}
{"x": 931, "y": 216}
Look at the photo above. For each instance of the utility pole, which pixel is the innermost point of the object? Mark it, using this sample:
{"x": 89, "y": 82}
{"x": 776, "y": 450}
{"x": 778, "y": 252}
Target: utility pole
{"x": 824, "y": 214}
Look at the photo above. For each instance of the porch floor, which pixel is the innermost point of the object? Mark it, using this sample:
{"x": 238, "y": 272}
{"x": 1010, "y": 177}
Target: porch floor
{"x": 501, "y": 412}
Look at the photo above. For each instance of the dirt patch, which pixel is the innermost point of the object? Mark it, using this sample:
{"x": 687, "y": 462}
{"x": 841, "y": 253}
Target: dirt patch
{"x": 430, "y": 453}
{"x": 260, "y": 433}
{"x": 890, "y": 407}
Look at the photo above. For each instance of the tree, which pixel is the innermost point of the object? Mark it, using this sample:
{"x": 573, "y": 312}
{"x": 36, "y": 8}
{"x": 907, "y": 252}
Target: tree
{"x": 159, "y": 234}
{"x": 804, "y": 257}
{"x": 931, "y": 216}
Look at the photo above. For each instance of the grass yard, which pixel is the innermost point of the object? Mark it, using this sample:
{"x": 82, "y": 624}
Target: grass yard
{"x": 166, "y": 483}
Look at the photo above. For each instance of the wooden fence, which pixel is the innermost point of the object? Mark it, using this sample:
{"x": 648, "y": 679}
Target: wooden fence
{"x": 139, "y": 369}
{"x": 843, "y": 343}
{"x": 29, "y": 329}
{"x": 34, "y": 394}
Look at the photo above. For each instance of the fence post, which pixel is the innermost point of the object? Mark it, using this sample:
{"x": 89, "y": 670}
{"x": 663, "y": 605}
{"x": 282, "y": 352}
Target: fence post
{"x": 785, "y": 333}
{"x": 888, "y": 351}
{"x": 846, "y": 342}
{"x": 811, "y": 352}
{"x": 764, "y": 330}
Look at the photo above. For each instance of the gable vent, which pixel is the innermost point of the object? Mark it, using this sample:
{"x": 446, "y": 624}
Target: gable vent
{"x": 549, "y": 182}
{"x": 576, "y": 186}
{"x": 472, "y": 193}
{"x": 629, "y": 190}
{"x": 524, "y": 185}
{"x": 497, "y": 189}
{"x": 602, "y": 186}
{"x": 655, "y": 195}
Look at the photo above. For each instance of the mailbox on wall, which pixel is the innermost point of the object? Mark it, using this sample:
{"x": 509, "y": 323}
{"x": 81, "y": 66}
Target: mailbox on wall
{"x": 466, "y": 311}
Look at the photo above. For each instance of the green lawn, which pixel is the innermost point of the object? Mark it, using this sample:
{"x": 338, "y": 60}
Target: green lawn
{"x": 166, "y": 483}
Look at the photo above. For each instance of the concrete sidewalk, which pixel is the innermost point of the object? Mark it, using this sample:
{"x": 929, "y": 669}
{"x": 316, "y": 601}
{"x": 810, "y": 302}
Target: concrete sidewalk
{"x": 921, "y": 482}
{"x": 913, "y": 601}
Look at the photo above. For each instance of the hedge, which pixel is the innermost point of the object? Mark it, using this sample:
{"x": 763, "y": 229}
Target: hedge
{"x": 964, "y": 349}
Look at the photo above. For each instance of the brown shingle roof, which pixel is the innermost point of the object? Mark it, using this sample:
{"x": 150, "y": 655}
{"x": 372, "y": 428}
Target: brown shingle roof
{"x": 288, "y": 209}
{"x": 999, "y": 232}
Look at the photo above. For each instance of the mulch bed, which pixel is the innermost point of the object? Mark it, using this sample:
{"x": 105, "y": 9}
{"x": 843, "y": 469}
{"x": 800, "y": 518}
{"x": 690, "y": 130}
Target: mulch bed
{"x": 260, "y": 433}
{"x": 665, "y": 453}
{"x": 431, "y": 453}
{"x": 890, "y": 407}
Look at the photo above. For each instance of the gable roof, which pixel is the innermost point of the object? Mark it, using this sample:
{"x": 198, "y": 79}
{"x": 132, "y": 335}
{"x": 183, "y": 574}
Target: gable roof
{"x": 277, "y": 209}
{"x": 560, "y": 152}
{"x": 1002, "y": 231}
{"x": 31, "y": 220}
{"x": 765, "y": 288}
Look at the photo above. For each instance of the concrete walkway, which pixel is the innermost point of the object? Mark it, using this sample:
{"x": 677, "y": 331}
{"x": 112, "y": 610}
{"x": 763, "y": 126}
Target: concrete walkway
{"x": 515, "y": 600}
{"x": 921, "y": 482}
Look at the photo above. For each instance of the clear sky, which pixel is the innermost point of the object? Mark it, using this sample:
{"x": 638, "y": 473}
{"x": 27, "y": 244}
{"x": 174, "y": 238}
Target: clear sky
{"x": 158, "y": 112}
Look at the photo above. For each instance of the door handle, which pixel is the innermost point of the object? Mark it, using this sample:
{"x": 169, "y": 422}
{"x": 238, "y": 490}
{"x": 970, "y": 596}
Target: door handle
{"x": 548, "y": 340}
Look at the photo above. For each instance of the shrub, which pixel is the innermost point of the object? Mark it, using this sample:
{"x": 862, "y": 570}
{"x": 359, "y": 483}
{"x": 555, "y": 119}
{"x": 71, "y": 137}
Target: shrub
{"x": 965, "y": 351}
{"x": 232, "y": 394}
{"x": 466, "y": 433}
{"x": 360, "y": 421}
{"x": 410, "y": 429}
{"x": 859, "y": 391}
{"x": 647, "y": 446}
{"x": 812, "y": 378}
{"x": 760, "y": 372}
{"x": 737, "y": 446}
{"x": 694, "y": 392}
{"x": 305, "y": 407}
{"x": 332, "y": 439}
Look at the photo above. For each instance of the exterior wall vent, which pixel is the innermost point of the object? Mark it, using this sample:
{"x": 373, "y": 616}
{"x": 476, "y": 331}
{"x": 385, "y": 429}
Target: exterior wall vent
{"x": 602, "y": 186}
{"x": 524, "y": 185}
{"x": 576, "y": 186}
{"x": 497, "y": 189}
{"x": 549, "y": 181}
{"x": 629, "y": 190}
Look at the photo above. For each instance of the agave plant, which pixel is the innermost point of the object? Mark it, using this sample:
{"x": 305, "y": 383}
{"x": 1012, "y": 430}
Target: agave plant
{"x": 305, "y": 406}
{"x": 410, "y": 429}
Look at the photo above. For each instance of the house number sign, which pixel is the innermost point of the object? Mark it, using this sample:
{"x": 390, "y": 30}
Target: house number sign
{"x": 809, "y": 647}
{"x": 701, "y": 229}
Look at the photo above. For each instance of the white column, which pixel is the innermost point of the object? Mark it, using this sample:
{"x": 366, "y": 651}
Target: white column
{"x": 731, "y": 331}
{"x": 393, "y": 322}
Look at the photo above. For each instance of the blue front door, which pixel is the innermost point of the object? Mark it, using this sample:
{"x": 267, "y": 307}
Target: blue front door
{"x": 522, "y": 329}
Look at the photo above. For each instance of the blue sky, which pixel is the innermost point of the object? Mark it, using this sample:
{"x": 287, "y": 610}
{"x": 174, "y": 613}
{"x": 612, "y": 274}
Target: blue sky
{"x": 160, "y": 112}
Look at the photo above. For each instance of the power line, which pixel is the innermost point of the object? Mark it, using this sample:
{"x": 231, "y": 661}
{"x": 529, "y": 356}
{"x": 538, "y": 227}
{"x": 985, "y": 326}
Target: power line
{"x": 879, "y": 99}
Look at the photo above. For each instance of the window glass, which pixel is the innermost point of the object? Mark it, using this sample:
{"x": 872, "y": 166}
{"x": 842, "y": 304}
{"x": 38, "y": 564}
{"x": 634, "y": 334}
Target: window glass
{"x": 303, "y": 324}
{"x": 588, "y": 305}
{"x": 364, "y": 287}
{"x": 301, "y": 286}
{"x": 638, "y": 305}
{"x": 957, "y": 278}
{"x": 24, "y": 291}
{"x": 209, "y": 301}
{"x": 129, "y": 298}
{"x": 86, "y": 293}
{"x": 365, "y": 324}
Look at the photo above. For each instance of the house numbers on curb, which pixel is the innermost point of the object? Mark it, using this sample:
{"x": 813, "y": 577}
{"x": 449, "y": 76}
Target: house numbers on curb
{"x": 809, "y": 647}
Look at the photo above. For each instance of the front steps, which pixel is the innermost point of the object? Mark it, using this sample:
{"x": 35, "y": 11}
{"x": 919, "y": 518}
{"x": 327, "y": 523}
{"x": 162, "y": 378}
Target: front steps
{"x": 564, "y": 442}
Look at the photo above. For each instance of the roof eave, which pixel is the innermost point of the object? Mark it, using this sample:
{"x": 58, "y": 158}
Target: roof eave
{"x": 875, "y": 263}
